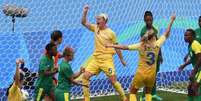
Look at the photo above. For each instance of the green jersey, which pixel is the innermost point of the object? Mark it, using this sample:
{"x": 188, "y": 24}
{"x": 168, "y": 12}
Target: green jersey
{"x": 46, "y": 63}
{"x": 65, "y": 72}
{"x": 144, "y": 30}
{"x": 194, "y": 49}
{"x": 198, "y": 35}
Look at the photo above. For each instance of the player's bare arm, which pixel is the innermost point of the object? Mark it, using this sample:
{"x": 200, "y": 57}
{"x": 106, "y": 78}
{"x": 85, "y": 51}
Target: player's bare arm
{"x": 84, "y": 17}
{"x": 119, "y": 53}
{"x": 181, "y": 67}
{"x": 17, "y": 73}
{"x": 123, "y": 47}
{"x": 167, "y": 32}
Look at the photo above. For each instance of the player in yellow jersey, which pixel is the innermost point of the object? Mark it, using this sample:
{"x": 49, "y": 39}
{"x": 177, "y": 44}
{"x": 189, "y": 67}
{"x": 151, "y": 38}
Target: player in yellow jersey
{"x": 148, "y": 52}
{"x": 102, "y": 57}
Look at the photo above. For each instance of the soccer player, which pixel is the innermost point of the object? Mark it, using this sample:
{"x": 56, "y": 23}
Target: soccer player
{"x": 56, "y": 38}
{"x": 44, "y": 85}
{"x": 14, "y": 92}
{"x": 198, "y": 36}
{"x": 66, "y": 76}
{"x": 194, "y": 48}
{"x": 148, "y": 53}
{"x": 148, "y": 19}
{"x": 102, "y": 57}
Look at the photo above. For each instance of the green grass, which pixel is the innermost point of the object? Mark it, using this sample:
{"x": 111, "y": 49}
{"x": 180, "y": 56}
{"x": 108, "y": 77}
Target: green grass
{"x": 167, "y": 96}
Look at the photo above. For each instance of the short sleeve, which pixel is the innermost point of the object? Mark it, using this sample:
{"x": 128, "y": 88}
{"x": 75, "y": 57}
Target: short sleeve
{"x": 160, "y": 41}
{"x": 134, "y": 46}
{"x": 196, "y": 47}
{"x": 43, "y": 66}
{"x": 92, "y": 27}
{"x": 68, "y": 72}
{"x": 114, "y": 38}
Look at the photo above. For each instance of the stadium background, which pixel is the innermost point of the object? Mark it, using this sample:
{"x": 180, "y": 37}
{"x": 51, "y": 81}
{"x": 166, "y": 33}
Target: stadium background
{"x": 125, "y": 18}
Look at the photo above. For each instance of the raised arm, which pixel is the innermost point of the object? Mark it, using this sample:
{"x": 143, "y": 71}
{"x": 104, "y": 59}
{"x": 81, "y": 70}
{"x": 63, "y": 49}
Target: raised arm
{"x": 17, "y": 73}
{"x": 167, "y": 32}
{"x": 84, "y": 18}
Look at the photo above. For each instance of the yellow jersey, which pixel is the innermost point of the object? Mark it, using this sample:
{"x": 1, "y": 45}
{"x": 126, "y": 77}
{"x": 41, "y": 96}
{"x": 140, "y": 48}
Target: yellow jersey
{"x": 15, "y": 93}
{"x": 147, "y": 57}
{"x": 103, "y": 37}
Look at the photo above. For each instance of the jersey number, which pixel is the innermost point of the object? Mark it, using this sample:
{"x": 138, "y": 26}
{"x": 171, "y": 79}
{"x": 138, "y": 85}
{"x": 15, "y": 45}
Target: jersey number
{"x": 151, "y": 58}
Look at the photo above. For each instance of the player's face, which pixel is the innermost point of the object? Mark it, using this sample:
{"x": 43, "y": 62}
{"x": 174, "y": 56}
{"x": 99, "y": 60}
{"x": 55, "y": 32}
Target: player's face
{"x": 60, "y": 40}
{"x": 148, "y": 20}
{"x": 100, "y": 21}
{"x": 188, "y": 36}
{"x": 70, "y": 56}
{"x": 199, "y": 22}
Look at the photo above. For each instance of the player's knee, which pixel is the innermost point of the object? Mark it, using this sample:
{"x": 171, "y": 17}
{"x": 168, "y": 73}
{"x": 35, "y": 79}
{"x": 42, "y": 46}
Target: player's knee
{"x": 133, "y": 90}
{"x": 148, "y": 90}
{"x": 113, "y": 79}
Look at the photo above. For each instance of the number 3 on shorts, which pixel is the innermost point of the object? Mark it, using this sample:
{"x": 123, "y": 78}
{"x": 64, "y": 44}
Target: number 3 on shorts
{"x": 151, "y": 57}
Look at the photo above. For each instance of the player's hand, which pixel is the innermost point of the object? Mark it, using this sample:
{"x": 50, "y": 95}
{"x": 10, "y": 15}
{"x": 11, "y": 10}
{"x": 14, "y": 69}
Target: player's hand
{"x": 123, "y": 62}
{"x": 86, "y": 8}
{"x": 55, "y": 69}
{"x": 82, "y": 70}
{"x": 181, "y": 68}
{"x": 173, "y": 17}
{"x": 18, "y": 62}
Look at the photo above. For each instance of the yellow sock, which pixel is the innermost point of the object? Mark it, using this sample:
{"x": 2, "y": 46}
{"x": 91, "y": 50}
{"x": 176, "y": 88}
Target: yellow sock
{"x": 133, "y": 97}
{"x": 148, "y": 97}
{"x": 85, "y": 89}
{"x": 119, "y": 89}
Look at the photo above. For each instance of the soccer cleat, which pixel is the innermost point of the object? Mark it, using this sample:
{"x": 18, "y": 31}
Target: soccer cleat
{"x": 157, "y": 97}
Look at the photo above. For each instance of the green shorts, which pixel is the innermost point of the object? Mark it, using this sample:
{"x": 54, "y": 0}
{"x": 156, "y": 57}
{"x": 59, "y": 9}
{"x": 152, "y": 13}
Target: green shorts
{"x": 61, "y": 95}
{"x": 40, "y": 92}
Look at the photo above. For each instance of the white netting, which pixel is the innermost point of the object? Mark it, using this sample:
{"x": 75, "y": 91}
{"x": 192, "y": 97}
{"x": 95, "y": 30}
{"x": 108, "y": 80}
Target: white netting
{"x": 125, "y": 18}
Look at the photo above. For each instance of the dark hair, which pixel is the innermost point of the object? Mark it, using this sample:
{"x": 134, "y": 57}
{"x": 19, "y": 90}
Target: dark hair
{"x": 199, "y": 17}
{"x": 21, "y": 78}
{"x": 56, "y": 34}
{"x": 148, "y": 13}
{"x": 49, "y": 47}
{"x": 192, "y": 32}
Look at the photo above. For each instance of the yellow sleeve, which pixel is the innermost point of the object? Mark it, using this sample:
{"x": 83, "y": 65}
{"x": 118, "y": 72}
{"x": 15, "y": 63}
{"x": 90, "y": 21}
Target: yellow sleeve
{"x": 134, "y": 46}
{"x": 114, "y": 38}
{"x": 160, "y": 41}
{"x": 196, "y": 47}
{"x": 92, "y": 27}
{"x": 13, "y": 88}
